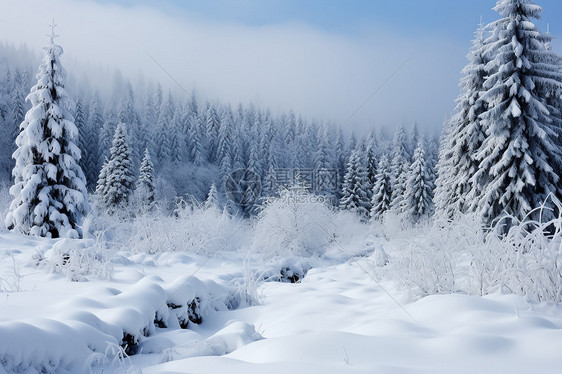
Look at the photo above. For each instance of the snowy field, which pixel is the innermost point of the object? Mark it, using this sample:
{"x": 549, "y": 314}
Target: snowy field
{"x": 194, "y": 236}
{"x": 124, "y": 309}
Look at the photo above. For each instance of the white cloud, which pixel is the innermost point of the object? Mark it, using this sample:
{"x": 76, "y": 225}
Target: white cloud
{"x": 321, "y": 75}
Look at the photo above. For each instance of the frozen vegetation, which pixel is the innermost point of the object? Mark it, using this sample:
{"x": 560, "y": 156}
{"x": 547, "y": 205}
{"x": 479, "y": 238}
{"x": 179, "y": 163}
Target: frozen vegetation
{"x": 148, "y": 233}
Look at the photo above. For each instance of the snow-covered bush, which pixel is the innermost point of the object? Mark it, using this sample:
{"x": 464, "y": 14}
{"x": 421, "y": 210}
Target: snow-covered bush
{"x": 296, "y": 223}
{"x": 10, "y": 281}
{"x": 463, "y": 256}
{"x": 194, "y": 229}
{"x": 78, "y": 258}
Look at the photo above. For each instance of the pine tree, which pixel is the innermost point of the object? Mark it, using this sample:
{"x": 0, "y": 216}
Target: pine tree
{"x": 80, "y": 123}
{"x": 355, "y": 195}
{"x": 517, "y": 169}
{"x": 463, "y": 136}
{"x": 341, "y": 159}
{"x": 117, "y": 175}
{"x": 419, "y": 191}
{"x": 212, "y": 200}
{"x": 382, "y": 190}
{"x": 14, "y": 121}
{"x": 128, "y": 115}
{"x": 91, "y": 153}
{"x": 400, "y": 167}
{"x": 101, "y": 183}
{"x": 106, "y": 135}
{"x": 212, "y": 127}
{"x": 49, "y": 191}
{"x": 164, "y": 131}
{"x": 176, "y": 140}
{"x": 18, "y": 112}
{"x": 414, "y": 139}
{"x": 145, "y": 189}
{"x": 197, "y": 140}
{"x": 371, "y": 167}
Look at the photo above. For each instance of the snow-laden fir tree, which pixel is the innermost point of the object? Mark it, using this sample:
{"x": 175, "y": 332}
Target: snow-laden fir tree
{"x": 117, "y": 179}
{"x": 49, "y": 190}
{"x": 106, "y": 135}
{"x": 91, "y": 146}
{"x": 128, "y": 114}
{"x": 355, "y": 196}
{"x": 212, "y": 200}
{"x": 463, "y": 136}
{"x": 145, "y": 189}
{"x": 414, "y": 139}
{"x": 419, "y": 191}
{"x": 400, "y": 167}
{"x": 13, "y": 121}
{"x": 164, "y": 132}
{"x": 382, "y": 190}
{"x": 102, "y": 181}
{"x": 212, "y": 127}
{"x": 371, "y": 167}
{"x": 177, "y": 135}
{"x": 197, "y": 140}
{"x": 519, "y": 155}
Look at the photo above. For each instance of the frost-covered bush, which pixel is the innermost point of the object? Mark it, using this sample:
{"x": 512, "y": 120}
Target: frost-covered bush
{"x": 78, "y": 258}
{"x": 197, "y": 229}
{"x": 463, "y": 256}
{"x": 295, "y": 223}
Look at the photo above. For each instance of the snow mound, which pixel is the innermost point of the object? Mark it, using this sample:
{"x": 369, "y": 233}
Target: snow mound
{"x": 113, "y": 318}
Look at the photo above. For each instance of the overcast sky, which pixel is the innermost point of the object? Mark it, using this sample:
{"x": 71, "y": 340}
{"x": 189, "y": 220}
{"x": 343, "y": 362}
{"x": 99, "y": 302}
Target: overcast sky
{"x": 322, "y": 58}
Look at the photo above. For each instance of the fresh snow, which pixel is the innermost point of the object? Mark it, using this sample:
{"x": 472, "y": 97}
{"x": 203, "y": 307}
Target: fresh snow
{"x": 337, "y": 319}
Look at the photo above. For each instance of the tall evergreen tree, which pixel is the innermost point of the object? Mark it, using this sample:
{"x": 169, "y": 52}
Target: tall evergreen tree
{"x": 106, "y": 135}
{"x": 117, "y": 176}
{"x": 212, "y": 128}
{"x": 382, "y": 190}
{"x": 128, "y": 114}
{"x": 91, "y": 146}
{"x": 145, "y": 189}
{"x": 355, "y": 195}
{"x": 371, "y": 167}
{"x": 49, "y": 191}
{"x": 400, "y": 168}
{"x": 463, "y": 136}
{"x": 212, "y": 200}
{"x": 419, "y": 191}
{"x": 518, "y": 158}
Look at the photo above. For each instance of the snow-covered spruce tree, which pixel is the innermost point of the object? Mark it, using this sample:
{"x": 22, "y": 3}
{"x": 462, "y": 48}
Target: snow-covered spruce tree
{"x": 101, "y": 183}
{"x": 400, "y": 167}
{"x": 91, "y": 153}
{"x": 371, "y": 168}
{"x": 212, "y": 127}
{"x": 49, "y": 190}
{"x": 355, "y": 195}
{"x": 413, "y": 140}
{"x": 463, "y": 136}
{"x": 419, "y": 191}
{"x": 117, "y": 177}
{"x": 163, "y": 134}
{"x": 518, "y": 157}
{"x": 197, "y": 139}
{"x": 212, "y": 200}
{"x": 145, "y": 189}
{"x": 13, "y": 120}
{"x": 382, "y": 190}
{"x": 18, "y": 112}
{"x": 128, "y": 114}
{"x": 106, "y": 135}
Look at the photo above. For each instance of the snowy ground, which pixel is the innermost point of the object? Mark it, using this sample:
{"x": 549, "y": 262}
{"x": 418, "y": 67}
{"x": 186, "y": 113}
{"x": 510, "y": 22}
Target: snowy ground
{"x": 338, "y": 319}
